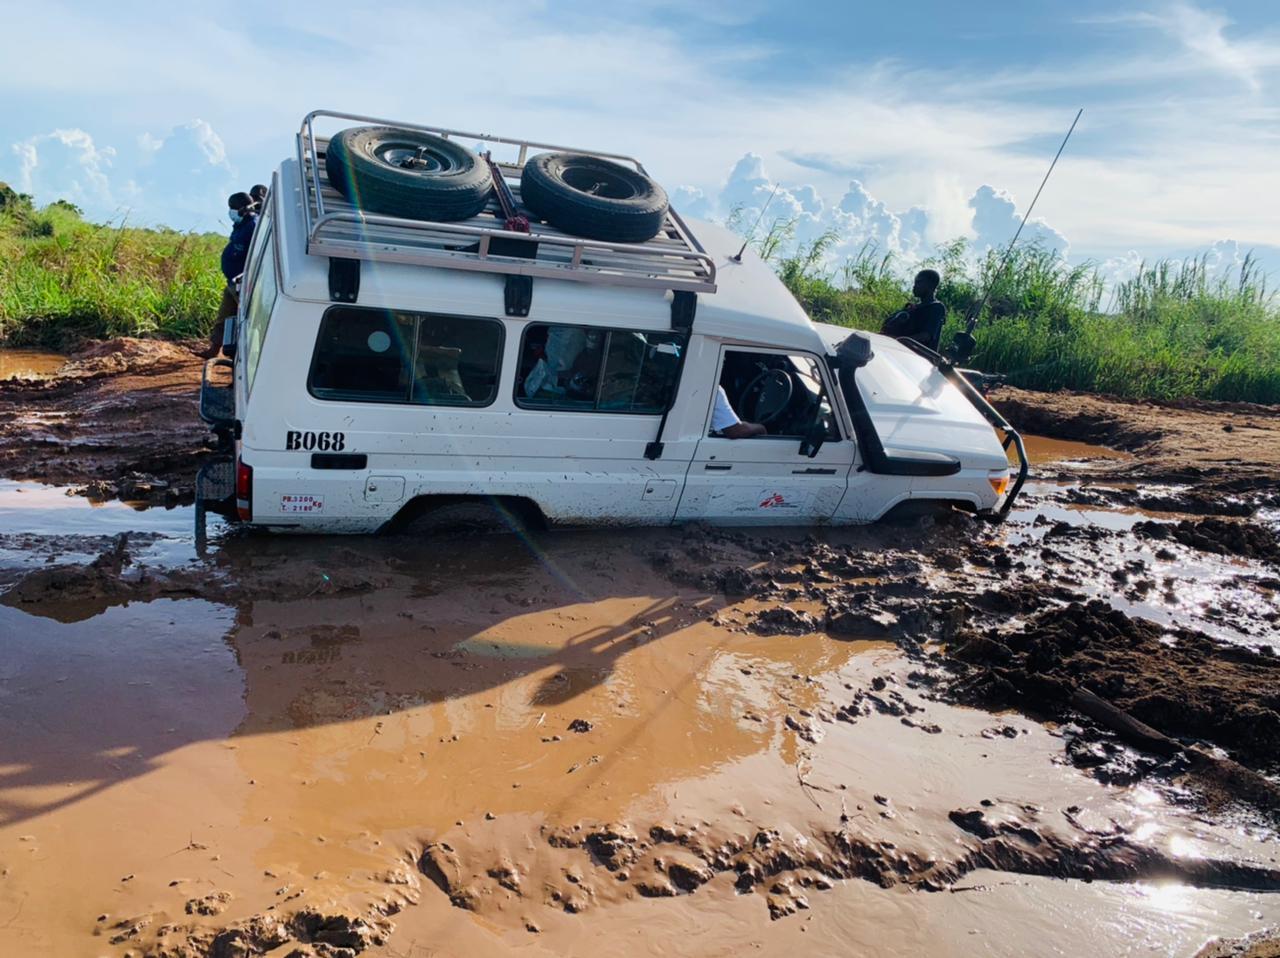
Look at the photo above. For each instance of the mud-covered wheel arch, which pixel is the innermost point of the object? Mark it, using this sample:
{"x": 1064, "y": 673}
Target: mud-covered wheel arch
{"x": 438, "y": 515}
{"x": 909, "y": 511}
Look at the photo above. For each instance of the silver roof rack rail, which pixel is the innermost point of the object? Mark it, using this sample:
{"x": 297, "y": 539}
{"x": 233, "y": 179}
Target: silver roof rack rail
{"x": 673, "y": 260}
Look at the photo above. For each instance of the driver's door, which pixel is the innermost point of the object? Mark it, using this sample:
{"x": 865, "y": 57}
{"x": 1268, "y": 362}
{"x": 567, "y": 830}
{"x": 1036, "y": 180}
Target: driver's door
{"x": 767, "y": 480}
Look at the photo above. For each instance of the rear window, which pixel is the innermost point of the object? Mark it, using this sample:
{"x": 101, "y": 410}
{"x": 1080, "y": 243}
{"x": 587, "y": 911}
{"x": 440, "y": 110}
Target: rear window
{"x": 589, "y": 369}
{"x": 392, "y": 356}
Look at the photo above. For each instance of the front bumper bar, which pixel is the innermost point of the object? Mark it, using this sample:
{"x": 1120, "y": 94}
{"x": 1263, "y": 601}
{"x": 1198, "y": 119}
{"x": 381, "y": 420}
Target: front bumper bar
{"x": 989, "y": 413}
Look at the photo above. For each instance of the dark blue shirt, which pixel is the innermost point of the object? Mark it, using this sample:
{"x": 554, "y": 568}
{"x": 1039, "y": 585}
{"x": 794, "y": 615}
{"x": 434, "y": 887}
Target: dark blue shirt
{"x": 236, "y": 251}
{"x": 919, "y": 321}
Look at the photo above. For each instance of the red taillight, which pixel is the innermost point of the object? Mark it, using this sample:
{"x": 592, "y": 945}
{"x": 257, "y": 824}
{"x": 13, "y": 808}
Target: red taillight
{"x": 244, "y": 491}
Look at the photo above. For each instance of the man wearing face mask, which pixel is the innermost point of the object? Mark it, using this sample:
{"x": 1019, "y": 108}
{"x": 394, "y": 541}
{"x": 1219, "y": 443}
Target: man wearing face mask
{"x": 240, "y": 210}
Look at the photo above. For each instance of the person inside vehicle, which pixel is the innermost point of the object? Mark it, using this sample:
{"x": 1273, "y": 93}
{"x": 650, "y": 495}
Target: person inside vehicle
{"x": 240, "y": 210}
{"x": 920, "y": 321}
{"x": 258, "y": 193}
{"x": 725, "y": 422}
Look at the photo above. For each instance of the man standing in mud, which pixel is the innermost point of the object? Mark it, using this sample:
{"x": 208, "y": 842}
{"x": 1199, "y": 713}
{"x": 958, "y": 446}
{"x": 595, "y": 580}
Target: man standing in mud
{"x": 920, "y": 321}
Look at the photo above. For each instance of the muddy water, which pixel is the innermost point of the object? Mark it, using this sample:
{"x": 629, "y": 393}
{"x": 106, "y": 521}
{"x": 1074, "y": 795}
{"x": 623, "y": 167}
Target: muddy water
{"x": 29, "y": 363}
{"x": 487, "y": 710}
{"x": 1042, "y": 450}
{"x": 40, "y": 524}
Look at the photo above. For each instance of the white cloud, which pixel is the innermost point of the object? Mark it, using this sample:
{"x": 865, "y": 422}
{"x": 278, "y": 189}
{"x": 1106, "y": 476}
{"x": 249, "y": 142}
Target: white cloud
{"x": 996, "y": 218}
{"x": 65, "y": 164}
{"x": 182, "y": 175}
{"x": 1203, "y": 34}
{"x": 859, "y": 218}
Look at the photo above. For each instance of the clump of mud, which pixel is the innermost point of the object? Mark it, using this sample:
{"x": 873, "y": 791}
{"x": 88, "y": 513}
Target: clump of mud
{"x": 75, "y": 591}
{"x": 575, "y": 869}
{"x": 312, "y": 933}
{"x": 1182, "y": 683}
{"x": 1217, "y": 536}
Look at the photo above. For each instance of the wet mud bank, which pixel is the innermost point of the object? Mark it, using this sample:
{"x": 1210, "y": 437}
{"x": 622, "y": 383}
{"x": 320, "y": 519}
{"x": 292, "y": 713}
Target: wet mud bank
{"x": 118, "y": 420}
{"x": 692, "y": 741}
{"x": 1218, "y": 451}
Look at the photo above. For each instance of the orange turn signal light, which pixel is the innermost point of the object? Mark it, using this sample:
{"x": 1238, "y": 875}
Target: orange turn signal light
{"x": 999, "y": 483}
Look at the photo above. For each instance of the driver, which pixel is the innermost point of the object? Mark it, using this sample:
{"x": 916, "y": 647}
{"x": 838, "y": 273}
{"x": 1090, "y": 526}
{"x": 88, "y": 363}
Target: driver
{"x": 725, "y": 422}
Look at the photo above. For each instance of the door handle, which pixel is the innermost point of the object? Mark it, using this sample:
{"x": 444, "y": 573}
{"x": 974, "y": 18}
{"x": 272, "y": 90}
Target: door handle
{"x": 812, "y": 471}
{"x": 717, "y": 467}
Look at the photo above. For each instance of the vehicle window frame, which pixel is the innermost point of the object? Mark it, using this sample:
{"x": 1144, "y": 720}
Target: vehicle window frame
{"x": 256, "y": 253}
{"x": 824, "y": 374}
{"x": 523, "y": 403}
{"x": 499, "y": 357}
{"x": 267, "y": 259}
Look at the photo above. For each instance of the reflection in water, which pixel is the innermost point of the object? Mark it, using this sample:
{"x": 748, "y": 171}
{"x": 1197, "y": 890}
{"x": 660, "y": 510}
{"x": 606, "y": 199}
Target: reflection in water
{"x": 1042, "y": 450}
{"x": 86, "y": 705}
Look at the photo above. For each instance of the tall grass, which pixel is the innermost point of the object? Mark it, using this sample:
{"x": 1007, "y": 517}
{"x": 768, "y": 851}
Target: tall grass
{"x": 64, "y": 280}
{"x": 1176, "y": 329}
{"x": 1173, "y": 330}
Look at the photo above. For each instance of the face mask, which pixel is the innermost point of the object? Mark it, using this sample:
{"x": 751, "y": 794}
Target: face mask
{"x": 235, "y": 216}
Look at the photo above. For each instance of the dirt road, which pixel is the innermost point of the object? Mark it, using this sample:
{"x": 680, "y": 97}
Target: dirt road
{"x": 691, "y": 741}
{"x": 119, "y": 420}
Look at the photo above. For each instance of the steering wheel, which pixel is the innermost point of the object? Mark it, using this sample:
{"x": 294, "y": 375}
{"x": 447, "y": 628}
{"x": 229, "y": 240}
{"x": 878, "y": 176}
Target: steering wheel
{"x": 772, "y": 390}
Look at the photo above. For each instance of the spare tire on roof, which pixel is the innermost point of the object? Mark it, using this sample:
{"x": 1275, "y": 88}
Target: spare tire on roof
{"x": 591, "y": 197}
{"x": 407, "y": 173}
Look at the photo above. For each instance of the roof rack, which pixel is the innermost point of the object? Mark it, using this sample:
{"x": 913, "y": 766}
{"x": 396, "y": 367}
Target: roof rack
{"x": 673, "y": 260}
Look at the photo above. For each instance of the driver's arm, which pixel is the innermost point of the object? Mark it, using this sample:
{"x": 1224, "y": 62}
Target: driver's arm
{"x": 743, "y": 430}
{"x": 726, "y": 422}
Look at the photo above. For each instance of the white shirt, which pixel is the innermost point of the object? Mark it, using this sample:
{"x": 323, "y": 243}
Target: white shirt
{"x": 722, "y": 415}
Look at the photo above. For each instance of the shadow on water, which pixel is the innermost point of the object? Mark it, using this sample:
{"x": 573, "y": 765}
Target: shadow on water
{"x": 87, "y": 704}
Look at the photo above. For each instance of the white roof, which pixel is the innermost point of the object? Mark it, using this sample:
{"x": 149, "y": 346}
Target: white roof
{"x": 750, "y": 304}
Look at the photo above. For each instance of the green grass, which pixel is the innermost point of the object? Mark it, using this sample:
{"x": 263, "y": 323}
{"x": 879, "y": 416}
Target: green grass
{"x": 63, "y": 280}
{"x": 1176, "y": 330}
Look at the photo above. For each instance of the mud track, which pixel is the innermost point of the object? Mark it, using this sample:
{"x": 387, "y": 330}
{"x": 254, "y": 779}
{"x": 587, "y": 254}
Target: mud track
{"x": 1219, "y": 450}
{"x": 708, "y": 739}
{"x": 120, "y": 420}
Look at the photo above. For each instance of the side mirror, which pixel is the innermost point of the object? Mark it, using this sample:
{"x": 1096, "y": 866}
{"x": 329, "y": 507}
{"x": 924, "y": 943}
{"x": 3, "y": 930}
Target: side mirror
{"x": 814, "y": 438}
{"x": 962, "y": 346}
{"x": 229, "y": 338}
{"x": 855, "y": 351}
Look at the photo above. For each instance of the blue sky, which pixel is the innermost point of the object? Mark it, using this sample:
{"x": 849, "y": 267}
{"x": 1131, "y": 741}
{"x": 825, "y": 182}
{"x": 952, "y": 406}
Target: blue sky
{"x": 905, "y": 123}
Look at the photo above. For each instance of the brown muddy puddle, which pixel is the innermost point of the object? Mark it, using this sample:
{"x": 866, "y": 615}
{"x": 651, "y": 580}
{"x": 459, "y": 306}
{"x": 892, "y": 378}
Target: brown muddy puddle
{"x": 1223, "y": 596}
{"x": 541, "y": 747}
{"x": 1042, "y": 450}
{"x": 29, "y": 363}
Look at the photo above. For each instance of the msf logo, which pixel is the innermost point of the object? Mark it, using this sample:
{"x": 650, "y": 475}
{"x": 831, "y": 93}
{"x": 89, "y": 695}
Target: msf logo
{"x": 776, "y": 501}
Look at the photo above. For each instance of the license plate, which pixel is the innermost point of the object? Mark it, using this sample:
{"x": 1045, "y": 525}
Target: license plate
{"x": 301, "y": 503}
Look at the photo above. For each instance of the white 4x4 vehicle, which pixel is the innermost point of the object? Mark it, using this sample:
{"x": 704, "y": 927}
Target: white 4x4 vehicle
{"x": 387, "y": 367}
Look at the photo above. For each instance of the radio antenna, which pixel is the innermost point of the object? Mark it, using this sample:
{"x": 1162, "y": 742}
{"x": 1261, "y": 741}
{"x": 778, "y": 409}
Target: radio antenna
{"x": 962, "y": 346}
{"x": 737, "y": 257}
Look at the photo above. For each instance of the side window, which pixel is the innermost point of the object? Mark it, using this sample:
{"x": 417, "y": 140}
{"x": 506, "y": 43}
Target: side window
{"x": 262, "y": 300}
{"x": 597, "y": 370}
{"x": 785, "y": 394}
{"x": 382, "y": 355}
{"x": 456, "y": 363}
{"x": 261, "y": 241}
{"x": 363, "y": 355}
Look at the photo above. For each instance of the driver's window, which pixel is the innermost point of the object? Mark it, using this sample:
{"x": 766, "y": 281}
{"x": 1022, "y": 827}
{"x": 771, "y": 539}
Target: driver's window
{"x": 784, "y": 393}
